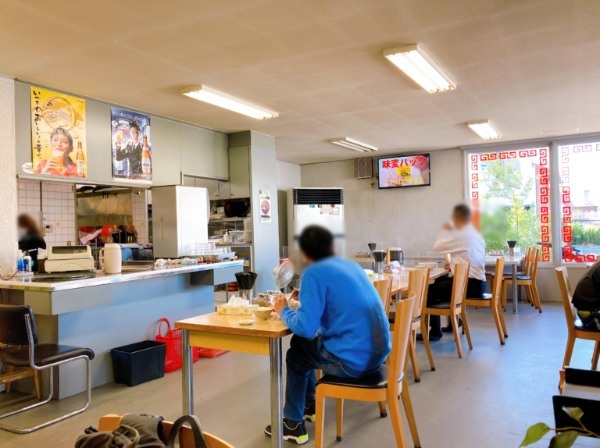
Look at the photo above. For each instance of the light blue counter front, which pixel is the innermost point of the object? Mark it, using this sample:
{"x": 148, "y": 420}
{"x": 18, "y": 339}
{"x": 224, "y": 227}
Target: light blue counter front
{"x": 105, "y": 315}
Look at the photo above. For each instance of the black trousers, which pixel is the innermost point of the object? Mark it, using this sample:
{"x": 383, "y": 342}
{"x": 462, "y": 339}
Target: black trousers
{"x": 441, "y": 292}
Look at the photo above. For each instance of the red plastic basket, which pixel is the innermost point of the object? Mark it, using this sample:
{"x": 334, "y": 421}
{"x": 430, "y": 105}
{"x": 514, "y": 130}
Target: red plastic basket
{"x": 173, "y": 358}
{"x": 209, "y": 352}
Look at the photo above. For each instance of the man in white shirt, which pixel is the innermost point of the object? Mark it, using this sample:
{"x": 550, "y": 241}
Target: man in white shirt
{"x": 463, "y": 243}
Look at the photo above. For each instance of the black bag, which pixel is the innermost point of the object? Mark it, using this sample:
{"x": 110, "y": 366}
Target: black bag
{"x": 192, "y": 420}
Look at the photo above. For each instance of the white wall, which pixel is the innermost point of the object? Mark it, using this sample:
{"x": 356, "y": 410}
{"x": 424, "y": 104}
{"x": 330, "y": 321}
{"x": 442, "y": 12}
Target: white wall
{"x": 412, "y": 216}
{"x": 288, "y": 176}
{"x": 8, "y": 178}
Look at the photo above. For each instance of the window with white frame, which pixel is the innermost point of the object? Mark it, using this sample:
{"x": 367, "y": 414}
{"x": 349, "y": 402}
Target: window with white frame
{"x": 510, "y": 195}
{"x": 579, "y": 187}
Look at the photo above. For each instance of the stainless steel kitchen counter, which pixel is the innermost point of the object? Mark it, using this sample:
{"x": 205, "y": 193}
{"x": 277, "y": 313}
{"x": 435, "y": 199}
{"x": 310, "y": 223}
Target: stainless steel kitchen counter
{"x": 100, "y": 278}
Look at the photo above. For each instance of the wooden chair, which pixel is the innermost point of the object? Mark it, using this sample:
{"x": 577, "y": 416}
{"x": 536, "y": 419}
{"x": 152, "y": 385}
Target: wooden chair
{"x": 492, "y": 301}
{"x": 528, "y": 280}
{"x": 111, "y": 422}
{"x": 453, "y": 309}
{"x": 13, "y": 374}
{"x": 383, "y": 387}
{"x": 574, "y": 326}
{"x": 418, "y": 282}
{"x": 384, "y": 288}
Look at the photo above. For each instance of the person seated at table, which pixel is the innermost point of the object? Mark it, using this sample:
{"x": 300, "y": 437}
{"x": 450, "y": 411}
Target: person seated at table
{"x": 463, "y": 243}
{"x": 586, "y": 298}
{"x": 340, "y": 327}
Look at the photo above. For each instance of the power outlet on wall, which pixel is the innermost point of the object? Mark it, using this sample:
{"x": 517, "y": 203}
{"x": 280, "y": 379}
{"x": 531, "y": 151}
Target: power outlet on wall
{"x": 48, "y": 228}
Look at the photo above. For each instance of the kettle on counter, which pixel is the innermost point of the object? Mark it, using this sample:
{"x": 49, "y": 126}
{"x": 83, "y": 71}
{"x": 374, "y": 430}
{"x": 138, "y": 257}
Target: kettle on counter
{"x": 110, "y": 258}
{"x": 396, "y": 254}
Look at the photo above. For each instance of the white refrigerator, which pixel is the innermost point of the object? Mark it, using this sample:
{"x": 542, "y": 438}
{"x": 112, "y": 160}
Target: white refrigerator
{"x": 179, "y": 220}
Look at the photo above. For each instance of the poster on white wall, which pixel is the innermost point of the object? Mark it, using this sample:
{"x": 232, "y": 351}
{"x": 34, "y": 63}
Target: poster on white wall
{"x": 265, "y": 206}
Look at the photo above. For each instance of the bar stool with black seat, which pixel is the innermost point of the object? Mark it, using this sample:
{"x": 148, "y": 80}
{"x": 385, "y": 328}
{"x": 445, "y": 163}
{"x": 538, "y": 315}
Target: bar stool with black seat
{"x": 17, "y": 328}
{"x": 492, "y": 301}
{"x": 454, "y": 308}
{"x": 385, "y": 386}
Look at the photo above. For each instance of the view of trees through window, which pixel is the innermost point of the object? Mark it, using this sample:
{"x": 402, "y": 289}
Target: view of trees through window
{"x": 580, "y": 201}
{"x": 510, "y": 192}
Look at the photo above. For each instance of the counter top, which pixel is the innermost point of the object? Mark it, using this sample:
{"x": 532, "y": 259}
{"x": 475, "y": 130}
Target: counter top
{"x": 100, "y": 278}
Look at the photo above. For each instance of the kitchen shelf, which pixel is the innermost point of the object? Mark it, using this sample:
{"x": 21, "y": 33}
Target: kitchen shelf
{"x": 227, "y": 219}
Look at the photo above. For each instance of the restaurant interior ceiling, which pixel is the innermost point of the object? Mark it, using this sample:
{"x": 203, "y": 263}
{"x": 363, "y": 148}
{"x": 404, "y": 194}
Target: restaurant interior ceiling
{"x": 532, "y": 67}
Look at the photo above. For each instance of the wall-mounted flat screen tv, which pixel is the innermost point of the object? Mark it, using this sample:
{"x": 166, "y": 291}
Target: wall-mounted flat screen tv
{"x": 404, "y": 171}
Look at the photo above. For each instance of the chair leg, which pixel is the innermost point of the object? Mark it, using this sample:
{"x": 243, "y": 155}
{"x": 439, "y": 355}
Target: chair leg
{"x": 382, "y": 409}
{"x": 596, "y": 356}
{"x": 536, "y": 297}
{"x": 425, "y": 334}
{"x": 9, "y": 369}
{"x": 410, "y": 414}
{"x": 339, "y": 418}
{"x": 88, "y": 384}
{"x": 502, "y": 321}
{"x": 569, "y": 350}
{"x": 320, "y": 422}
{"x": 394, "y": 405}
{"x": 36, "y": 382}
{"x": 456, "y": 336}
{"x": 466, "y": 326}
{"x": 529, "y": 295}
{"x": 412, "y": 351}
{"x": 496, "y": 314}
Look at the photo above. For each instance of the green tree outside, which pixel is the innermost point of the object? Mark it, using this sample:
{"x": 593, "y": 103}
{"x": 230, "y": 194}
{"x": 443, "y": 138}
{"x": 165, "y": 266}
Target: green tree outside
{"x": 507, "y": 215}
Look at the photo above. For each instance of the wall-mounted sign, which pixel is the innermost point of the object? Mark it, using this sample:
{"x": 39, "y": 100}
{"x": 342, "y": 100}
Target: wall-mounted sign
{"x": 265, "y": 206}
{"x": 58, "y": 134}
{"x": 131, "y": 146}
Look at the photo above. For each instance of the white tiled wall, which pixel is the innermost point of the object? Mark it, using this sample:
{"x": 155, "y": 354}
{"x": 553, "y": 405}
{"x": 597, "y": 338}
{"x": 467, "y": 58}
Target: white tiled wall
{"x": 140, "y": 215}
{"x": 54, "y": 205}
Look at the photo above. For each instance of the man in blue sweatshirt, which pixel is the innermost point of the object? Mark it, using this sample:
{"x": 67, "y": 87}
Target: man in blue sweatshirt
{"x": 340, "y": 327}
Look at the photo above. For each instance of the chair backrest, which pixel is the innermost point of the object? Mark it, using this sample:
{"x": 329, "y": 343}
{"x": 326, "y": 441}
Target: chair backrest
{"x": 13, "y": 326}
{"x": 498, "y": 280}
{"x": 384, "y": 289}
{"x": 111, "y": 422}
{"x": 459, "y": 285}
{"x": 418, "y": 281}
{"x": 534, "y": 256}
{"x": 567, "y": 297}
{"x": 525, "y": 262}
{"x": 400, "y": 336}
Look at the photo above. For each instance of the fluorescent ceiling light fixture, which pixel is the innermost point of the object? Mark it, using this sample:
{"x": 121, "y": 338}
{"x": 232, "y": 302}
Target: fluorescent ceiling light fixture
{"x": 350, "y": 143}
{"x": 216, "y": 98}
{"x": 484, "y": 129}
{"x": 413, "y": 61}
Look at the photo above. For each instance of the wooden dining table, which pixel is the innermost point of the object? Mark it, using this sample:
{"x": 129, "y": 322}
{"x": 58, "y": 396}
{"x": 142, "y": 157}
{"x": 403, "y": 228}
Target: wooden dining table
{"x": 224, "y": 332}
{"x": 400, "y": 285}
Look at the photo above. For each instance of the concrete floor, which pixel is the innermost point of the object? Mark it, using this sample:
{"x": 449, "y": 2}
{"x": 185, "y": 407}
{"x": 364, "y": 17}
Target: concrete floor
{"x": 488, "y": 399}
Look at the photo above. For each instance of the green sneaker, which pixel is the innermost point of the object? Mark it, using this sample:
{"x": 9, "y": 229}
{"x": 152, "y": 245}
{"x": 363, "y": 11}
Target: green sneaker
{"x": 310, "y": 412}
{"x": 292, "y": 432}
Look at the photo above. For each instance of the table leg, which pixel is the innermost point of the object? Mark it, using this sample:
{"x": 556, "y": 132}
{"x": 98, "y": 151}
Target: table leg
{"x": 276, "y": 394}
{"x": 187, "y": 374}
{"x": 515, "y": 289}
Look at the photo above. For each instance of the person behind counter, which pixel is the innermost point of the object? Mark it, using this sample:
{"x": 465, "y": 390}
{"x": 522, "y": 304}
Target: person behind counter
{"x": 340, "y": 327}
{"x": 30, "y": 237}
